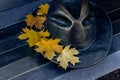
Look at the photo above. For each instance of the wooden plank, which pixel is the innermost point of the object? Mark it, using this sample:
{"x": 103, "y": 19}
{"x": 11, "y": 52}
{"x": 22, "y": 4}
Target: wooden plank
{"x": 11, "y": 30}
{"x": 9, "y": 43}
{"x": 110, "y": 7}
{"x": 7, "y": 4}
{"x": 14, "y": 54}
{"x": 104, "y": 2}
{"x": 114, "y": 15}
{"x": 116, "y": 26}
{"x": 21, "y": 66}
{"x": 45, "y": 72}
{"x": 16, "y": 68}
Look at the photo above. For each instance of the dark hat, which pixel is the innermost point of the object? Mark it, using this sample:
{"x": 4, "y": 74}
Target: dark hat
{"x": 82, "y": 24}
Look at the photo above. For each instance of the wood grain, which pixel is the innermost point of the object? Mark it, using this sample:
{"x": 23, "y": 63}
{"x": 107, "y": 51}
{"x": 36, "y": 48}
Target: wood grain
{"x": 21, "y": 66}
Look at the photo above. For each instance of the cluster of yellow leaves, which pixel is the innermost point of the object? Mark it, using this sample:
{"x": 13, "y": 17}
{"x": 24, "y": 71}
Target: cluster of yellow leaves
{"x": 46, "y": 46}
{"x": 66, "y": 55}
{"x": 35, "y": 21}
{"x": 38, "y": 20}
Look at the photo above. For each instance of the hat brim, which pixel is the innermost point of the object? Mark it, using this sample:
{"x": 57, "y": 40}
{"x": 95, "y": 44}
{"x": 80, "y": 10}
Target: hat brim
{"x": 100, "y": 47}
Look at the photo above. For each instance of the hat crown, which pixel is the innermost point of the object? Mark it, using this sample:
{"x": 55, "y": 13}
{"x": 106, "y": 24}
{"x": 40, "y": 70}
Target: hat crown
{"x": 77, "y": 32}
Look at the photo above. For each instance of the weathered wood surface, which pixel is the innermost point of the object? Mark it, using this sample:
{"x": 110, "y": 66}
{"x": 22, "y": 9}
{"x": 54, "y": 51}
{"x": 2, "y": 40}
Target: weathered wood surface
{"x": 14, "y": 55}
{"x": 52, "y": 70}
{"x": 112, "y": 8}
{"x": 9, "y": 43}
{"x": 21, "y": 66}
{"x": 16, "y": 68}
{"x": 45, "y": 72}
{"x": 7, "y": 4}
{"x": 110, "y": 64}
{"x": 11, "y": 48}
{"x": 11, "y": 22}
{"x": 11, "y": 16}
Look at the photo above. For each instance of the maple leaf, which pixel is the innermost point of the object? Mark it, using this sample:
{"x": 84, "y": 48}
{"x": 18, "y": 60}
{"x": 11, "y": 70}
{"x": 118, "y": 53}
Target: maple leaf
{"x": 32, "y": 36}
{"x": 49, "y": 47}
{"x": 35, "y": 21}
{"x": 43, "y": 9}
{"x": 68, "y": 55}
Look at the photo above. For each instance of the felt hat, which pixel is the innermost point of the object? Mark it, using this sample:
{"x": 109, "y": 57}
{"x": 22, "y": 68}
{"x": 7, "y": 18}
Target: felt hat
{"x": 82, "y": 24}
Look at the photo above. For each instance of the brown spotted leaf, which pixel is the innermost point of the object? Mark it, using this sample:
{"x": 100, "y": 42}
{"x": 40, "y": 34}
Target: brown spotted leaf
{"x": 36, "y": 21}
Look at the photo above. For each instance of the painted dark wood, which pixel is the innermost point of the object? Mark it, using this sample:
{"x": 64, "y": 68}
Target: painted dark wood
{"x": 114, "y": 15}
{"x": 14, "y": 55}
{"x": 10, "y": 43}
{"x": 115, "y": 46}
{"x": 52, "y": 70}
{"x": 116, "y": 26}
{"x": 108, "y": 65}
{"x": 21, "y": 66}
{"x": 14, "y": 15}
{"x": 112, "y": 6}
{"x": 19, "y": 52}
{"x": 104, "y": 2}
{"x": 7, "y": 4}
{"x": 11, "y": 48}
{"x": 16, "y": 68}
{"x": 11, "y": 30}
{"x": 45, "y": 72}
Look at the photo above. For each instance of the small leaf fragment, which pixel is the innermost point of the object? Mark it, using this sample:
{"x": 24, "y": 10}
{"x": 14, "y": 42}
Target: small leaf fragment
{"x": 43, "y": 9}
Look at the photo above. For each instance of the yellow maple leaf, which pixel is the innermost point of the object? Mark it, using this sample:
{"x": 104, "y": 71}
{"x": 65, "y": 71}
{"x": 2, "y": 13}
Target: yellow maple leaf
{"x": 49, "y": 47}
{"x": 68, "y": 55}
{"x": 43, "y": 9}
{"x": 32, "y": 36}
{"x": 35, "y": 21}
